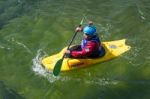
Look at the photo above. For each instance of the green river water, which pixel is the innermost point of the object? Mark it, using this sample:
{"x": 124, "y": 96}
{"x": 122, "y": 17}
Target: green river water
{"x": 32, "y": 29}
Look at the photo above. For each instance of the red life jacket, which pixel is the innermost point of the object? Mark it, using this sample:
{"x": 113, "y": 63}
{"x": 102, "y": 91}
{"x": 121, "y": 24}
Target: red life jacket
{"x": 89, "y": 48}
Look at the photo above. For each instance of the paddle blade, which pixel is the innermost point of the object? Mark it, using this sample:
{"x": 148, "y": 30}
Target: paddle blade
{"x": 81, "y": 21}
{"x": 57, "y": 67}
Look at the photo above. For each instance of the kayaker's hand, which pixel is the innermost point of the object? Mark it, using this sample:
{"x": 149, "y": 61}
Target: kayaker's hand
{"x": 67, "y": 54}
{"x": 79, "y": 29}
{"x": 90, "y": 23}
{"x": 67, "y": 51}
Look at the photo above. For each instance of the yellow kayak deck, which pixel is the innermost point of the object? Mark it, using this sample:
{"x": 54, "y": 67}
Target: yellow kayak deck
{"x": 112, "y": 50}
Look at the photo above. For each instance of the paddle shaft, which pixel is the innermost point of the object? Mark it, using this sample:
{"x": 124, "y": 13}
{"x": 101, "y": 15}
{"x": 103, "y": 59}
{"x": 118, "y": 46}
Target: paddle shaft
{"x": 58, "y": 64}
{"x": 71, "y": 41}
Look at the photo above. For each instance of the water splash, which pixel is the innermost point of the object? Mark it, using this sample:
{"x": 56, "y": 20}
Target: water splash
{"x": 39, "y": 70}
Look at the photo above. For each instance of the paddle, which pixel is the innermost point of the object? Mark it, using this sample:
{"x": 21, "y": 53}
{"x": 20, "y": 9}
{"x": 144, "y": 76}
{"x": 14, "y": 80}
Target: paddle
{"x": 58, "y": 64}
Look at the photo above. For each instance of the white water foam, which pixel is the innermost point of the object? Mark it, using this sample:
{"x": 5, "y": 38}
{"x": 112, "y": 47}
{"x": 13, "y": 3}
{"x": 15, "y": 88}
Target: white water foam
{"x": 39, "y": 70}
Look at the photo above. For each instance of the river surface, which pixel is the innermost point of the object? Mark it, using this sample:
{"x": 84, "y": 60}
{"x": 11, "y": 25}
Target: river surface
{"x": 33, "y": 29}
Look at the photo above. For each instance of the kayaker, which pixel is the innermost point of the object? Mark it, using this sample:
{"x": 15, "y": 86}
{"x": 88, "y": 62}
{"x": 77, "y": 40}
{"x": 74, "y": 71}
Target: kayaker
{"x": 90, "y": 45}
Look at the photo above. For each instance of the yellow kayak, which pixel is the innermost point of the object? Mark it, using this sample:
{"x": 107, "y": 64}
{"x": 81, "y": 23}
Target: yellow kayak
{"x": 112, "y": 50}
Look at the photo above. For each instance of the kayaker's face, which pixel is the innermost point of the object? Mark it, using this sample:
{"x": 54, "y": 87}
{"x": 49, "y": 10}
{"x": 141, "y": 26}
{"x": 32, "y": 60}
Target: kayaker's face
{"x": 85, "y": 36}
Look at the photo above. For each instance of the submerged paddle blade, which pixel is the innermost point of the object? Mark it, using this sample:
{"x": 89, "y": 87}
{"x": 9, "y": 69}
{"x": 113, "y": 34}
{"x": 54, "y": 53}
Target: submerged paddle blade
{"x": 57, "y": 67}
